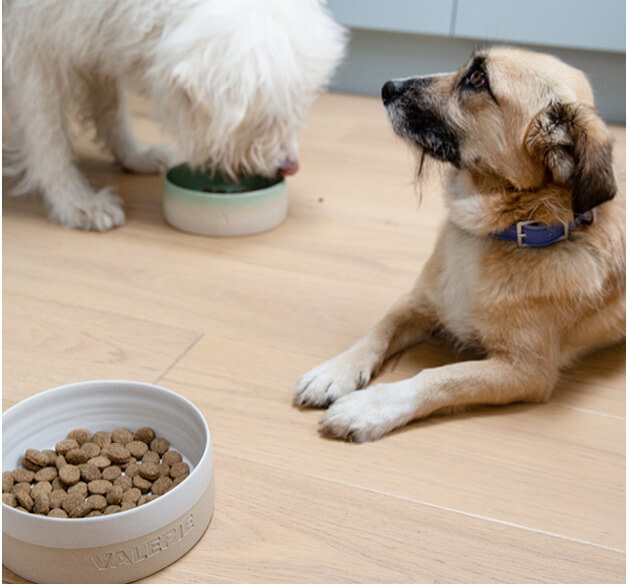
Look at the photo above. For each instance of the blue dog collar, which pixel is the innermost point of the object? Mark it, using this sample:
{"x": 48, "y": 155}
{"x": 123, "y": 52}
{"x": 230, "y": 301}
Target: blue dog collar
{"x": 535, "y": 234}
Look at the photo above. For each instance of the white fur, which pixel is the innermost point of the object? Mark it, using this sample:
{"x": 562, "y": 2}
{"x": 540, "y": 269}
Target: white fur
{"x": 231, "y": 80}
{"x": 369, "y": 414}
{"x": 459, "y": 277}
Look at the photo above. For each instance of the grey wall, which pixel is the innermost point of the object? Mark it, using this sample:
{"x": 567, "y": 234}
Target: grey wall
{"x": 374, "y": 56}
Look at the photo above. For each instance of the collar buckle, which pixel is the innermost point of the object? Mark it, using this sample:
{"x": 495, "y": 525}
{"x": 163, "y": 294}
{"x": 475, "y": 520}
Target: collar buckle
{"x": 521, "y": 234}
{"x": 588, "y": 218}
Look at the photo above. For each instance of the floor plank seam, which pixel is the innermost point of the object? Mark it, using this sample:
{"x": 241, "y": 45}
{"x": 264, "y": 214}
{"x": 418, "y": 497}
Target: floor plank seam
{"x": 183, "y": 354}
{"x": 593, "y": 412}
{"x": 86, "y": 307}
{"x": 430, "y": 505}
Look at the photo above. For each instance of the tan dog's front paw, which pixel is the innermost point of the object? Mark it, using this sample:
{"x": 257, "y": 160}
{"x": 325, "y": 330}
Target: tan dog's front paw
{"x": 369, "y": 414}
{"x": 323, "y": 385}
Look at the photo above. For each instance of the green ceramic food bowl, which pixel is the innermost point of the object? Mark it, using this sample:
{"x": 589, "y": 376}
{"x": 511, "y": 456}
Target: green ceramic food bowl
{"x": 206, "y": 204}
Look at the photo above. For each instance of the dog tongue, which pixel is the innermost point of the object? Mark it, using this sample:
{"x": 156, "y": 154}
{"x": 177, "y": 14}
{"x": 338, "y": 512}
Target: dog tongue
{"x": 289, "y": 170}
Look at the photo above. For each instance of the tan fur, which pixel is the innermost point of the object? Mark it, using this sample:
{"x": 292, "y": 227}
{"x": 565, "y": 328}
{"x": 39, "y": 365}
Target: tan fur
{"x": 531, "y": 311}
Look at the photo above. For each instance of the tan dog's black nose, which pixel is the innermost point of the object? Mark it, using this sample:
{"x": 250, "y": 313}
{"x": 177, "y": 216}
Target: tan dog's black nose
{"x": 391, "y": 90}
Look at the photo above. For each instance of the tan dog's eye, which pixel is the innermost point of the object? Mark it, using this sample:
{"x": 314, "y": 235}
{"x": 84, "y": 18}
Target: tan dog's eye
{"x": 477, "y": 79}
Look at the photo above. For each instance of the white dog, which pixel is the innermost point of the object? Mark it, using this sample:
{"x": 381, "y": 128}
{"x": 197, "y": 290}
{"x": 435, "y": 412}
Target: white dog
{"x": 231, "y": 80}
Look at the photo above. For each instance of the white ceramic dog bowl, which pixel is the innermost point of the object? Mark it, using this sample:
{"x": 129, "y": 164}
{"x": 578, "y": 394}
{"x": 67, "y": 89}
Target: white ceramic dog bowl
{"x": 125, "y": 546}
{"x": 209, "y": 205}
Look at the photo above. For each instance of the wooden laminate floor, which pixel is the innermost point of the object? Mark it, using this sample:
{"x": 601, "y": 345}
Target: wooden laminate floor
{"x": 517, "y": 494}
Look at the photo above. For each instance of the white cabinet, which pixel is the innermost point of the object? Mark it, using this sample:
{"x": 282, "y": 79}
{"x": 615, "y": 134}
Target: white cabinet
{"x": 581, "y": 24}
{"x": 414, "y": 16}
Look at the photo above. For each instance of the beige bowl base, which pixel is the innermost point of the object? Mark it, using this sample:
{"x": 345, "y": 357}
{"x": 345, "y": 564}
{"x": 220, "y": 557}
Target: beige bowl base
{"x": 118, "y": 564}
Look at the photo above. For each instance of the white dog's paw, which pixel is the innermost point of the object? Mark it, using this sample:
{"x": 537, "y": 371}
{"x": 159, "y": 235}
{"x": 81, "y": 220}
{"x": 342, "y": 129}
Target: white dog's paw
{"x": 369, "y": 414}
{"x": 329, "y": 381}
{"x": 149, "y": 160}
{"x": 98, "y": 211}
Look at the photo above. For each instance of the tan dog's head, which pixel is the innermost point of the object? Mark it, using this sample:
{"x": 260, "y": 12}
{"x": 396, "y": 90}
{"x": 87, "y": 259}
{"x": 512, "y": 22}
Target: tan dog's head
{"x": 512, "y": 119}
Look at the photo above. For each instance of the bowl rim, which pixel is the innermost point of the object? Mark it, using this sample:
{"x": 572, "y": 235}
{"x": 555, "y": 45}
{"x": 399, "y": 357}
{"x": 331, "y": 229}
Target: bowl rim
{"x": 176, "y": 191}
{"x": 85, "y": 523}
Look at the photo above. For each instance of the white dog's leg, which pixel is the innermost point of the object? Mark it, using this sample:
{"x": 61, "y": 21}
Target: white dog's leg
{"x": 47, "y": 156}
{"x": 373, "y": 412}
{"x": 108, "y": 111}
{"x": 408, "y": 323}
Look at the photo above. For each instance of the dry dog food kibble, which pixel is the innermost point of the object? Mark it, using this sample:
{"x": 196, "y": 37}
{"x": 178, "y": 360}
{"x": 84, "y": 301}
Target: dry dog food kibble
{"x": 145, "y": 435}
{"x": 125, "y": 482}
{"x": 180, "y": 469}
{"x": 57, "y": 497}
{"x": 90, "y": 449}
{"x": 141, "y": 484}
{"x": 48, "y": 473}
{"x": 149, "y": 470}
{"x": 43, "y": 488}
{"x": 99, "y": 503}
{"x": 132, "y": 469}
{"x": 78, "y": 488}
{"x": 100, "y": 461}
{"x": 76, "y": 456}
{"x": 90, "y": 475}
{"x": 41, "y": 504}
{"x": 35, "y": 457}
{"x": 81, "y": 509}
{"x": 112, "y": 509}
{"x": 111, "y": 473}
{"x": 118, "y": 453}
{"x": 102, "y": 439}
{"x": 21, "y": 487}
{"x": 151, "y": 457}
{"x": 171, "y": 457}
{"x": 131, "y": 496}
{"x": 70, "y": 474}
{"x": 121, "y": 436}
{"x": 57, "y": 484}
{"x": 7, "y": 481}
{"x": 65, "y": 446}
{"x": 24, "y": 499}
{"x": 137, "y": 448}
{"x": 160, "y": 446}
{"x": 22, "y": 475}
{"x": 90, "y": 472}
{"x": 80, "y": 435}
{"x": 162, "y": 485}
{"x": 99, "y": 487}
{"x": 146, "y": 499}
{"x": 114, "y": 495}
{"x": 9, "y": 499}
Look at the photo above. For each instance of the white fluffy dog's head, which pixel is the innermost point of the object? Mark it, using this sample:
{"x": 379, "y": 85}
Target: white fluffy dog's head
{"x": 233, "y": 80}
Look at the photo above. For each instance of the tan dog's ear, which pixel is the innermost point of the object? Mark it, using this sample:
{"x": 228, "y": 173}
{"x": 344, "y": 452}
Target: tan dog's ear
{"x": 576, "y": 148}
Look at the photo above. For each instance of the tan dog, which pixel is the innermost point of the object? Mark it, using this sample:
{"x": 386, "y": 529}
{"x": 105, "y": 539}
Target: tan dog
{"x": 526, "y": 144}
